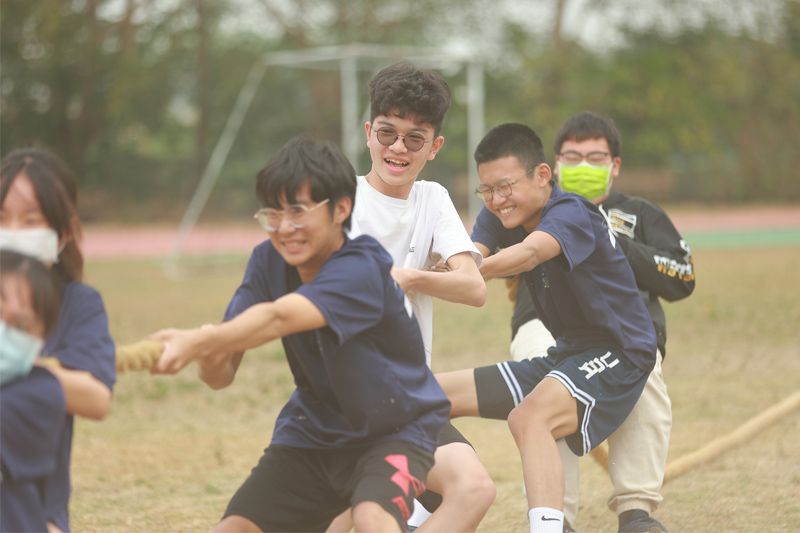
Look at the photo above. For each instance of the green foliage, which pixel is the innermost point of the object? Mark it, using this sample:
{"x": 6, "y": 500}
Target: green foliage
{"x": 716, "y": 109}
{"x": 135, "y": 94}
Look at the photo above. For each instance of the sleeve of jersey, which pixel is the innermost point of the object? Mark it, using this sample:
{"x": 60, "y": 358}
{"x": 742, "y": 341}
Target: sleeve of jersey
{"x": 253, "y": 288}
{"x": 489, "y": 231}
{"x": 32, "y": 411}
{"x": 450, "y": 236}
{"x": 349, "y": 292}
{"x": 570, "y": 224}
{"x": 662, "y": 261}
{"x": 86, "y": 343}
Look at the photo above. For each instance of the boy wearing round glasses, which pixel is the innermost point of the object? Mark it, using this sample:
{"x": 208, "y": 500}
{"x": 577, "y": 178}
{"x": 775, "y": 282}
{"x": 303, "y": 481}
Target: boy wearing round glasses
{"x": 587, "y": 150}
{"x": 584, "y": 292}
{"x": 416, "y": 221}
{"x": 360, "y": 429}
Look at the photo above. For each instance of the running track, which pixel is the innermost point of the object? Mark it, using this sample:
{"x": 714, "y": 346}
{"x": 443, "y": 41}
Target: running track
{"x": 712, "y": 227}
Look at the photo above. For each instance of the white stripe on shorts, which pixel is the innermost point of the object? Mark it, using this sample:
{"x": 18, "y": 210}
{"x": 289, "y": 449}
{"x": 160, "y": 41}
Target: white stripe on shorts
{"x": 511, "y": 382}
{"x": 582, "y": 397}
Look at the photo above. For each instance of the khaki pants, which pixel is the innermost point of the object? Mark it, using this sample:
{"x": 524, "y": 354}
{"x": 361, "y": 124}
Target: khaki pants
{"x": 637, "y": 451}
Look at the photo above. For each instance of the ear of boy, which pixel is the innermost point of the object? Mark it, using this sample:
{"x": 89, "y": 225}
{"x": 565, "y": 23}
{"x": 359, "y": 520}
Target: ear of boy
{"x": 344, "y": 206}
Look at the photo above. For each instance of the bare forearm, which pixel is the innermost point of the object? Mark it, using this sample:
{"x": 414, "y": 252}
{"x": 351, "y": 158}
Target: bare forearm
{"x": 218, "y": 372}
{"x": 85, "y": 395}
{"x": 257, "y": 325}
{"x": 453, "y": 286}
{"x": 537, "y": 248}
{"x": 508, "y": 262}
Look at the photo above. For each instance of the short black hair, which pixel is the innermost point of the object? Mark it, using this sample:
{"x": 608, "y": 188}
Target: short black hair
{"x": 321, "y": 164}
{"x": 587, "y": 125}
{"x": 45, "y": 294}
{"x": 402, "y": 89}
{"x": 511, "y": 139}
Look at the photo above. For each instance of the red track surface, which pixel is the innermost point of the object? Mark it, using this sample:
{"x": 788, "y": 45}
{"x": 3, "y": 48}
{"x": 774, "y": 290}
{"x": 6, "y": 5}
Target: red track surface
{"x": 107, "y": 242}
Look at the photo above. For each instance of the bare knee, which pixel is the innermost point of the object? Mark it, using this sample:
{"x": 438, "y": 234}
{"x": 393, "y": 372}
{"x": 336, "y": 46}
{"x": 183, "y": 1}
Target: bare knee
{"x": 459, "y": 476}
{"x": 370, "y": 516}
{"x": 482, "y": 492}
{"x": 519, "y": 423}
{"x": 238, "y": 523}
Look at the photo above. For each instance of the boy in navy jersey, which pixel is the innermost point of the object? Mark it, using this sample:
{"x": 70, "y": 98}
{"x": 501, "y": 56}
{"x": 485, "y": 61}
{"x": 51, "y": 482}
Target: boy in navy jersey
{"x": 588, "y": 149}
{"x": 360, "y": 429}
{"x": 585, "y": 294}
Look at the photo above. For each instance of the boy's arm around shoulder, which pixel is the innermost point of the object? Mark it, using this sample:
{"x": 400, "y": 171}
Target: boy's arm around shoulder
{"x": 219, "y": 346}
{"x": 538, "y": 247}
{"x": 461, "y": 283}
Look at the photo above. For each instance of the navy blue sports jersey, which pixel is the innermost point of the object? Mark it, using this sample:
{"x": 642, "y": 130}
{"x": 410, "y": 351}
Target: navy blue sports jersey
{"x": 81, "y": 342}
{"x": 361, "y": 379}
{"x": 32, "y": 411}
{"x": 587, "y": 295}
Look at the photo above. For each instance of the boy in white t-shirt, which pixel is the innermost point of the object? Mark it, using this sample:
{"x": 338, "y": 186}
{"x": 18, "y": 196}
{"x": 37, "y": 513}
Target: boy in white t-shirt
{"x": 418, "y": 224}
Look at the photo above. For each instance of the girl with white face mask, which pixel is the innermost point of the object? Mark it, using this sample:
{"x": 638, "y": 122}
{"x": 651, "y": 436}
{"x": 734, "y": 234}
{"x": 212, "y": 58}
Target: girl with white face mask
{"x": 38, "y": 217}
{"x": 31, "y": 398}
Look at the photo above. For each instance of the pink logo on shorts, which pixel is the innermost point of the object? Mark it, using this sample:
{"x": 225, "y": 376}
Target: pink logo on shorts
{"x": 402, "y": 478}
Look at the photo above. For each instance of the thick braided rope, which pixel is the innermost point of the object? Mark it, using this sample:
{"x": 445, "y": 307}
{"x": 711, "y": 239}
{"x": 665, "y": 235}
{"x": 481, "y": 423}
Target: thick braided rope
{"x": 720, "y": 445}
{"x": 138, "y": 356}
{"x": 736, "y": 437}
{"x": 130, "y": 357}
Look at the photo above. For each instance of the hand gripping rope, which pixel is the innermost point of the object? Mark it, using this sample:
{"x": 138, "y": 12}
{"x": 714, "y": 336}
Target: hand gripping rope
{"x": 138, "y": 356}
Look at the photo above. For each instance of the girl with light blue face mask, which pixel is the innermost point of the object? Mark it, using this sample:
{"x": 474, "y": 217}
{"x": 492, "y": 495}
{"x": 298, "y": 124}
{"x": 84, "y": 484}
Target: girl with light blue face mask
{"x": 31, "y": 398}
{"x": 29, "y": 302}
{"x": 39, "y": 217}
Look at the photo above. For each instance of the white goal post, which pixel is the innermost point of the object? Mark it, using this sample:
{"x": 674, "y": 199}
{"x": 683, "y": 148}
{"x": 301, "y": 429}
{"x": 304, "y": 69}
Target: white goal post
{"x": 348, "y": 59}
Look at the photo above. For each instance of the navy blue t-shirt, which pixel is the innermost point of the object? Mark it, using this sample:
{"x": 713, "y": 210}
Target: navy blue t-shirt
{"x": 81, "y": 342}
{"x": 32, "y": 414}
{"x": 587, "y": 295}
{"x": 361, "y": 379}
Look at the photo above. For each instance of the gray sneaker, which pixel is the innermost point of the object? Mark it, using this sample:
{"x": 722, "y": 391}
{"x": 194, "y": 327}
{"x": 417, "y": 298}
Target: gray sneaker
{"x": 568, "y": 528}
{"x": 646, "y": 524}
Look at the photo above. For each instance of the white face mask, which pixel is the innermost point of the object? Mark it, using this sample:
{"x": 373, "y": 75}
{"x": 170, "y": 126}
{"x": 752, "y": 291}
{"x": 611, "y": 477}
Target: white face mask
{"x": 40, "y": 243}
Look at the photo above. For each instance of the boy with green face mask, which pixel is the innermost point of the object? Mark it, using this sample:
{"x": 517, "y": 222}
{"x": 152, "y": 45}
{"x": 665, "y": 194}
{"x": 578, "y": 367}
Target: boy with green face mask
{"x": 587, "y": 151}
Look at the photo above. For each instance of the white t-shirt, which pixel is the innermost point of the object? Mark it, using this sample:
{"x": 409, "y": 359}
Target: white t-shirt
{"x": 417, "y": 232}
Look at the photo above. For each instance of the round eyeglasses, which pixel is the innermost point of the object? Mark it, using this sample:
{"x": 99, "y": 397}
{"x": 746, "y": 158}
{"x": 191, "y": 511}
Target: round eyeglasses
{"x": 296, "y": 215}
{"x": 593, "y": 158}
{"x": 501, "y": 187}
{"x": 388, "y": 136}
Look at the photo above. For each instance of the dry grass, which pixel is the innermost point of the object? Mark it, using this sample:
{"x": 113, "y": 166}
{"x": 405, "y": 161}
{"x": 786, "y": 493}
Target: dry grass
{"x": 172, "y": 452}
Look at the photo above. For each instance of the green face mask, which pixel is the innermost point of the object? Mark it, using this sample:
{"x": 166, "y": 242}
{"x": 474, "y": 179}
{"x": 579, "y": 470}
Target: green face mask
{"x": 590, "y": 181}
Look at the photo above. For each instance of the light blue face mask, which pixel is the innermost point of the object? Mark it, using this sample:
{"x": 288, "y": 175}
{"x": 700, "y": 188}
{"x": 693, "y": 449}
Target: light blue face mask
{"x": 18, "y": 350}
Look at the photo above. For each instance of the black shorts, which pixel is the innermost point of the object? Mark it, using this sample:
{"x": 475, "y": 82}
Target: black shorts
{"x": 297, "y": 489}
{"x": 604, "y": 383}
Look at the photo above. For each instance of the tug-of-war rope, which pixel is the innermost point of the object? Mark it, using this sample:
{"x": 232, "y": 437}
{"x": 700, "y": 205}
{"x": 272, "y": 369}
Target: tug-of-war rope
{"x": 720, "y": 445}
{"x": 142, "y": 355}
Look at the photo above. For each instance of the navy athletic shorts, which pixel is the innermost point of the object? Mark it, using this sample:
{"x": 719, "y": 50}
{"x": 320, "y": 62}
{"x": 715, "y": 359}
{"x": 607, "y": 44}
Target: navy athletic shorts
{"x": 298, "y": 489}
{"x": 604, "y": 383}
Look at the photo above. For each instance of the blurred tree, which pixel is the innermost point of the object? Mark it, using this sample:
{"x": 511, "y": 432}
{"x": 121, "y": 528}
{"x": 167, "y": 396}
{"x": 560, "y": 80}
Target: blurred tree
{"x": 705, "y": 100}
{"x": 134, "y": 93}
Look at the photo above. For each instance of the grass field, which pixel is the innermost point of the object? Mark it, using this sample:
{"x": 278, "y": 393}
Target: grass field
{"x": 172, "y": 452}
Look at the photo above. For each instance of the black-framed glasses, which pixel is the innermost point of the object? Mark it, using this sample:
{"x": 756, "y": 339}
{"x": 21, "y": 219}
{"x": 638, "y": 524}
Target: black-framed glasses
{"x": 573, "y": 158}
{"x": 501, "y": 187}
{"x": 296, "y": 214}
{"x": 388, "y": 136}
